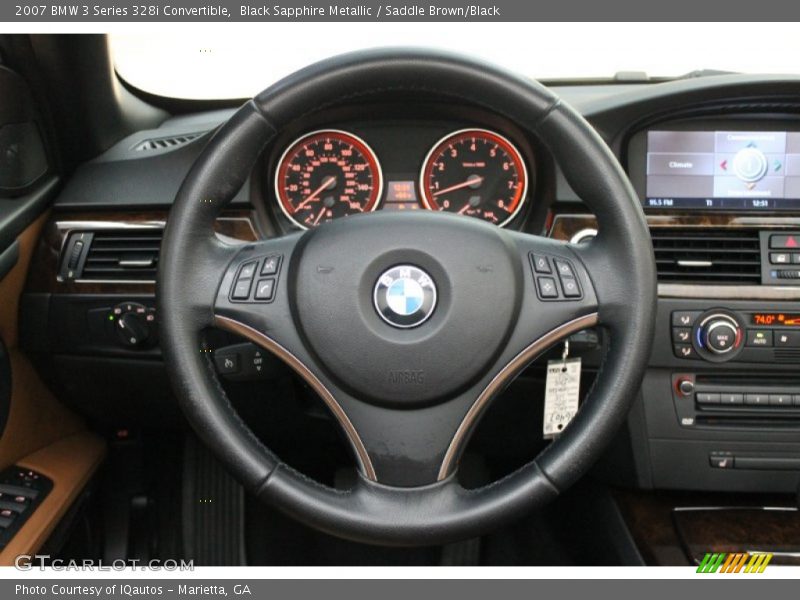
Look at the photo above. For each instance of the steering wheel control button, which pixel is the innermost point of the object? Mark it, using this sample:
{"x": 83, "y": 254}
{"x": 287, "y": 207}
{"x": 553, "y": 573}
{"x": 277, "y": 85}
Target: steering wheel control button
{"x": 265, "y": 288}
{"x": 405, "y": 296}
{"x": 564, "y": 268}
{"x": 570, "y": 287}
{"x": 248, "y": 270}
{"x": 540, "y": 264}
{"x": 271, "y": 265}
{"x": 246, "y": 288}
{"x": 547, "y": 287}
{"x": 241, "y": 291}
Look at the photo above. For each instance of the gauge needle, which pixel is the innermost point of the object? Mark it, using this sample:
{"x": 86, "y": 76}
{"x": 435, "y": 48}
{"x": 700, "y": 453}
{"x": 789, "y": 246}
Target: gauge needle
{"x": 319, "y": 216}
{"x": 325, "y": 185}
{"x": 474, "y": 180}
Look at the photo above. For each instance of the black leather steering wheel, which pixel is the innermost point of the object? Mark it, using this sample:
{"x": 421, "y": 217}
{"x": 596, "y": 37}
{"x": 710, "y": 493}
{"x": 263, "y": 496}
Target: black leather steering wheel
{"x": 407, "y": 398}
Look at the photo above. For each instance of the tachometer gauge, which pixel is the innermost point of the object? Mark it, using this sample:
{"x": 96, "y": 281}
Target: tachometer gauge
{"x": 326, "y": 175}
{"x": 477, "y": 173}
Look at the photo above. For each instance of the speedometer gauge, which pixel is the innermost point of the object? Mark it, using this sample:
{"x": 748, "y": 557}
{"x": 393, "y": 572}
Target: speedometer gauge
{"x": 477, "y": 173}
{"x": 326, "y": 175}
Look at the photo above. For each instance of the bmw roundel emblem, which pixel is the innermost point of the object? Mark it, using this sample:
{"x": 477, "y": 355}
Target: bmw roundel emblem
{"x": 405, "y": 296}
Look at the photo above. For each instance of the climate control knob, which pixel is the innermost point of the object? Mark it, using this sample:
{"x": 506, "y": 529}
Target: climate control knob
{"x": 720, "y": 334}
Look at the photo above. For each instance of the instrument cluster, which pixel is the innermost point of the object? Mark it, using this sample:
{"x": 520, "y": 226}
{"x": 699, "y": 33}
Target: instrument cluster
{"x": 328, "y": 174}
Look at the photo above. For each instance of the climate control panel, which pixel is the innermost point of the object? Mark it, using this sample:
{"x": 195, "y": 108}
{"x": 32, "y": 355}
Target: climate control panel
{"x": 722, "y": 335}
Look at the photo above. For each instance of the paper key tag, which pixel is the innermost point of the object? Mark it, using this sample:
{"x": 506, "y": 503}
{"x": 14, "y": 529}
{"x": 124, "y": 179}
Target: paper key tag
{"x": 561, "y": 395}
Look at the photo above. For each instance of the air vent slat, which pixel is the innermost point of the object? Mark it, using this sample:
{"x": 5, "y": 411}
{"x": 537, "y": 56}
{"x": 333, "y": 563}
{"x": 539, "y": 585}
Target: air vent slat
{"x": 707, "y": 255}
{"x": 123, "y": 255}
{"x": 167, "y": 142}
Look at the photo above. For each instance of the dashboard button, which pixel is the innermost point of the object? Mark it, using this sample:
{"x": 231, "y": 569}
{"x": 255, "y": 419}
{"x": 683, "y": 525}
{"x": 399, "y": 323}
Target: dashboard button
{"x": 707, "y": 398}
{"x": 547, "y": 287}
{"x": 720, "y": 461}
{"x": 780, "y": 399}
{"x": 227, "y": 362}
{"x": 787, "y": 339}
{"x": 721, "y": 337}
{"x": 731, "y": 398}
{"x": 783, "y": 242}
{"x": 540, "y": 263}
{"x": 686, "y": 387}
{"x": 796, "y": 258}
{"x": 682, "y": 335}
{"x": 759, "y": 338}
{"x": 780, "y": 258}
{"x": 684, "y": 318}
{"x": 684, "y": 351}
{"x": 756, "y": 399}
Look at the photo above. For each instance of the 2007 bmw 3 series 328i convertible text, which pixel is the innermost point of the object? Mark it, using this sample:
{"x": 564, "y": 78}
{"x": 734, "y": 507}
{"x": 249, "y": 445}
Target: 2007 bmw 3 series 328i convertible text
{"x": 401, "y": 307}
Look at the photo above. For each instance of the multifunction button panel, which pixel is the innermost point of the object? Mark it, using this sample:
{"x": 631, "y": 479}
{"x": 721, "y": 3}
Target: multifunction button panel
{"x": 554, "y": 278}
{"x": 780, "y": 257}
{"x": 714, "y": 401}
{"x": 720, "y": 335}
{"x": 256, "y": 280}
{"x": 21, "y": 491}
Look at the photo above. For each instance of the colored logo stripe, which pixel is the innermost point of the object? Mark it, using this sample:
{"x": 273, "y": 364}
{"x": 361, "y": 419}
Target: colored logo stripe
{"x": 734, "y": 563}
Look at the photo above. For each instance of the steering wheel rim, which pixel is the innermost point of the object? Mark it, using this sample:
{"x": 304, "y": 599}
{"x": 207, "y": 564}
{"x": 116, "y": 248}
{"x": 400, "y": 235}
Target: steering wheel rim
{"x": 616, "y": 272}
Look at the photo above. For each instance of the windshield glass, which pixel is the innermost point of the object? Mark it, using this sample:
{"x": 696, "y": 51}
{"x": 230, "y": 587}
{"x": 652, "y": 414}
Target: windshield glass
{"x": 219, "y": 64}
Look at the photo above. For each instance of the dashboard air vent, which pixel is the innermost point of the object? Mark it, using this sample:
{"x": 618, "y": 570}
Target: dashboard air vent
{"x": 122, "y": 255}
{"x": 167, "y": 142}
{"x": 707, "y": 256}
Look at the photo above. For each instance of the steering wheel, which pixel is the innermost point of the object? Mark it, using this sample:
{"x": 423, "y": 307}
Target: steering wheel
{"x": 407, "y": 381}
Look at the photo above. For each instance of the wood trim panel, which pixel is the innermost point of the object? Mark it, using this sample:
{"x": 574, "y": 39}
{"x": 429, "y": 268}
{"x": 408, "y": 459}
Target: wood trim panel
{"x": 69, "y": 462}
{"x": 235, "y": 224}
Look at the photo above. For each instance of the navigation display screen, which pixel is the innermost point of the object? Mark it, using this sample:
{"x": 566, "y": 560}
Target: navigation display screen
{"x": 731, "y": 170}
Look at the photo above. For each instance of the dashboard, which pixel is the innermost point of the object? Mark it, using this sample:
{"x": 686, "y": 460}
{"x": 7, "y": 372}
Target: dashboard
{"x": 715, "y": 162}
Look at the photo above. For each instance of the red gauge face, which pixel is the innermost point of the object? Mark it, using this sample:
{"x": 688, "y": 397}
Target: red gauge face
{"x": 326, "y": 175}
{"x": 476, "y": 173}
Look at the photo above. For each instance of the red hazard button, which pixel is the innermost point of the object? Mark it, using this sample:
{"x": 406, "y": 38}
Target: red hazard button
{"x": 784, "y": 241}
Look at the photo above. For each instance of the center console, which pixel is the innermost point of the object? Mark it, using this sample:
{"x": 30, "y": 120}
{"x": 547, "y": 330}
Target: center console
{"x": 719, "y": 409}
